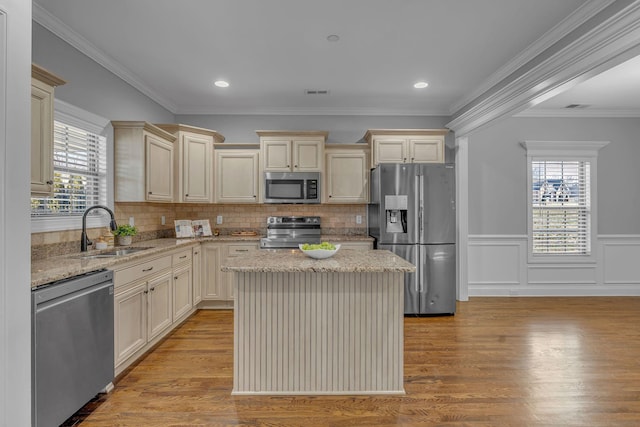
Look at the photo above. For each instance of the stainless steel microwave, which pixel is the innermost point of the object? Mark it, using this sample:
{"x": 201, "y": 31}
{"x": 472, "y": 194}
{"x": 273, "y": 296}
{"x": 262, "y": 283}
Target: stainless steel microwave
{"x": 292, "y": 187}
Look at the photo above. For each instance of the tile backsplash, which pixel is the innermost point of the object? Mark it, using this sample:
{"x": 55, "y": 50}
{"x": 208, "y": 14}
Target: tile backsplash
{"x": 336, "y": 219}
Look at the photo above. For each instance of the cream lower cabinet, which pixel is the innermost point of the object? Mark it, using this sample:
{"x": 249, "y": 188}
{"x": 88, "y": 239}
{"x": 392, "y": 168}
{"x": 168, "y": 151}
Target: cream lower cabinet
{"x": 152, "y": 296}
{"x": 236, "y": 178}
{"x": 196, "y": 275}
{"x": 357, "y": 245}
{"x": 346, "y": 177}
{"x": 217, "y": 285}
{"x": 182, "y": 284}
{"x": 406, "y": 145}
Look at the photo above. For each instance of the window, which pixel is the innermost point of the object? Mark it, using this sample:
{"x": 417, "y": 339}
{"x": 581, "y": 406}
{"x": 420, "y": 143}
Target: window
{"x": 81, "y": 175}
{"x": 561, "y": 200}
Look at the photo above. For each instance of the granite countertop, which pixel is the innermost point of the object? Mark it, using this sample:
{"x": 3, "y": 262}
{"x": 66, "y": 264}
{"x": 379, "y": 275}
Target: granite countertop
{"x": 294, "y": 261}
{"x": 61, "y": 267}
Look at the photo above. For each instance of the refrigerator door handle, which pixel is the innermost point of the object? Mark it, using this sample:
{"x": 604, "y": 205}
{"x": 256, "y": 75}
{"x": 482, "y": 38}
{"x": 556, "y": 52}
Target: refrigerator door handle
{"x": 418, "y": 201}
{"x": 422, "y": 257}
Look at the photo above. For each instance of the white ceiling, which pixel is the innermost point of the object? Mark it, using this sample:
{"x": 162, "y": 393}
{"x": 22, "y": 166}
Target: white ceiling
{"x": 271, "y": 51}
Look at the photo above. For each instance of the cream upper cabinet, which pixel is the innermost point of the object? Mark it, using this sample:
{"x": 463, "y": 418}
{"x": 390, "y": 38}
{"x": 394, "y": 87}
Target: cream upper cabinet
{"x": 236, "y": 178}
{"x": 143, "y": 162}
{"x": 292, "y": 151}
{"x": 42, "y": 94}
{"x": 193, "y": 162}
{"x": 347, "y": 173}
{"x": 406, "y": 145}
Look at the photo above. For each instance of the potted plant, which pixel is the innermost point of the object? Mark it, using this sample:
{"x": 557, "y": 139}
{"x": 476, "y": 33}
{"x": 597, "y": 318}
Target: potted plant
{"x": 124, "y": 234}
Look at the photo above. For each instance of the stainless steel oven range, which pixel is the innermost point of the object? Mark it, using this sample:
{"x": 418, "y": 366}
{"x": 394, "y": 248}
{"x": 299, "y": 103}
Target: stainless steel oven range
{"x": 290, "y": 231}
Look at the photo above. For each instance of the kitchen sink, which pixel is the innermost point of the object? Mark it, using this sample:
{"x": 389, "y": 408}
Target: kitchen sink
{"x": 111, "y": 253}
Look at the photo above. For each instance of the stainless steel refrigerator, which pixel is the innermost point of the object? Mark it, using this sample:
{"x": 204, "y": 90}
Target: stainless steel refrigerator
{"x": 412, "y": 214}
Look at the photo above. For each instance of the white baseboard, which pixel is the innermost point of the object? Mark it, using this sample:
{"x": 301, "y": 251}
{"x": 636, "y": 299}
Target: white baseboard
{"x": 498, "y": 266}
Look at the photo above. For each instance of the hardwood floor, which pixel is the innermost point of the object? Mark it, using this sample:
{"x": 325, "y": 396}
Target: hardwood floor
{"x": 497, "y": 362}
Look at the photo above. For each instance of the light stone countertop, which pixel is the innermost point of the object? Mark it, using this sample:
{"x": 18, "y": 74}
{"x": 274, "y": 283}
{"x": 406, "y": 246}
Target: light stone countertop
{"x": 65, "y": 266}
{"x": 294, "y": 261}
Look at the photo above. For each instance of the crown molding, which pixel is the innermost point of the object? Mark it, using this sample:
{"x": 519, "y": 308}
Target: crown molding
{"x": 60, "y": 29}
{"x": 564, "y": 27}
{"x": 274, "y": 111}
{"x": 578, "y": 113}
{"x": 613, "y": 33}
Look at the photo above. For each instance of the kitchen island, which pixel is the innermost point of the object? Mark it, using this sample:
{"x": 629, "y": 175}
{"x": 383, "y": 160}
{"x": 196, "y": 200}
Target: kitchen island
{"x": 306, "y": 326}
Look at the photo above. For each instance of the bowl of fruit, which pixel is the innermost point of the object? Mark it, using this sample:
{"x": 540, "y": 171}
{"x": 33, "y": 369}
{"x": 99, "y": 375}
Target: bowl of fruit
{"x": 320, "y": 250}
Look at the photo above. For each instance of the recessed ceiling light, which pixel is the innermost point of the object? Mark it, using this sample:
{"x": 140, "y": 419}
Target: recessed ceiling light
{"x": 421, "y": 85}
{"x": 221, "y": 83}
{"x": 333, "y": 37}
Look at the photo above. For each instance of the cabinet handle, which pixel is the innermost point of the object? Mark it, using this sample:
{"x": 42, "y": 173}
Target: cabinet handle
{"x": 175, "y": 277}
{"x": 412, "y": 159}
{"x": 50, "y": 182}
{"x": 153, "y": 289}
{"x": 183, "y": 257}
{"x": 186, "y": 195}
{"x": 295, "y": 166}
{"x": 147, "y": 269}
{"x": 242, "y": 250}
{"x": 146, "y": 292}
{"x": 288, "y": 166}
{"x": 150, "y": 192}
{"x": 404, "y": 160}
{"x": 196, "y": 253}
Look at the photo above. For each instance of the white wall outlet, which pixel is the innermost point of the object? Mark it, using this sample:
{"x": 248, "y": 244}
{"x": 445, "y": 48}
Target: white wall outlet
{"x": 132, "y": 222}
{"x": 358, "y": 219}
{"x": 162, "y": 220}
{"x": 219, "y": 219}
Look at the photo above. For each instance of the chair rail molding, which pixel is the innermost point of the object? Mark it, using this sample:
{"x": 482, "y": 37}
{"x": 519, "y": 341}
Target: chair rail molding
{"x": 498, "y": 266}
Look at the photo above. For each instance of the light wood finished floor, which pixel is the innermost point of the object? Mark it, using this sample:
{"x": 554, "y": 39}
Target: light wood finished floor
{"x": 498, "y": 362}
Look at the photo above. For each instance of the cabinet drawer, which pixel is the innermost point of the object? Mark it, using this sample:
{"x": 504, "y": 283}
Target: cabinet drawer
{"x": 240, "y": 249}
{"x": 182, "y": 256}
{"x": 140, "y": 271}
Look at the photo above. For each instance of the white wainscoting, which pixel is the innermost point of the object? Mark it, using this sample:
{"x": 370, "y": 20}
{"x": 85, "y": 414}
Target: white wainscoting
{"x": 498, "y": 266}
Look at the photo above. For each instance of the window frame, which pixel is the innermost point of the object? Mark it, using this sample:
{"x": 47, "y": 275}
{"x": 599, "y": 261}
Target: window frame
{"x": 586, "y": 151}
{"x": 74, "y": 116}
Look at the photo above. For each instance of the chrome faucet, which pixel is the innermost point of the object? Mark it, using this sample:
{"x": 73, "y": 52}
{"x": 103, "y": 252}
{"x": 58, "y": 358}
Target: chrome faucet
{"x": 84, "y": 240}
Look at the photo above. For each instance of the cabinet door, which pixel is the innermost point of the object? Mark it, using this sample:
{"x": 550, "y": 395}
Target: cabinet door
{"x": 196, "y": 168}
{"x": 307, "y": 155}
{"x": 427, "y": 150}
{"x": 159, "y": 297}
{"x": 130, "y": 321}
{"x": 276, "y": 155}
{"x": 236, "y": 176}
{"x": 159, "y": 169}
{"x": 196, "y": 274}
{"x": 211, "y": 286}
{"x": 389, "y": 150}
{"x": 41, "y": 138}
{"x": 347, "y": 177}
{"x": 234, "y": 250}
{"x": 182, "y": 288}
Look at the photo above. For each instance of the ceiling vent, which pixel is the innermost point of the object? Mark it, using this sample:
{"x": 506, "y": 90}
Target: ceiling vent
{"x": 576, "y": 106}
{"x": 316, "y": 92}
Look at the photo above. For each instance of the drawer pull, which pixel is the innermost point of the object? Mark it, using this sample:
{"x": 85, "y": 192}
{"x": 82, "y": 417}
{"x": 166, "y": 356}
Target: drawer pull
{"x": 183, "y": 257}
{"x": 242, "y": 250}
{"x": 144, "y": 270}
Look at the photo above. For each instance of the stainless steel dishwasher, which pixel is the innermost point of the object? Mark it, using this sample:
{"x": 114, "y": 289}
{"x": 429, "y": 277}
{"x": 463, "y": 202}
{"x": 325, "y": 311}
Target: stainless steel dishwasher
{"x": 72, "y": 345}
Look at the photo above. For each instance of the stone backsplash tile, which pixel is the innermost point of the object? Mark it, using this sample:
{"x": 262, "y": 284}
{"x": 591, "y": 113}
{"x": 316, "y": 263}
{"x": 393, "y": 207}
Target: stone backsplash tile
{"x": 336, "y": 219}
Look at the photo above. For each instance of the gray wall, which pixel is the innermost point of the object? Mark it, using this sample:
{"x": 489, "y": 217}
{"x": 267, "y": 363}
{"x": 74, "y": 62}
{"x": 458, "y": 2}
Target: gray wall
{"x": 89, "y": 85}
{"x": 342, "y": 129}
{"x": 498, "y": 178}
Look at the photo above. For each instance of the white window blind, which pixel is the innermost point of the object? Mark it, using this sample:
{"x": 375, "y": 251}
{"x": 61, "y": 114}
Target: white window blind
{"x": 80, "y": 171}
{"x": 561, "y": 207}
